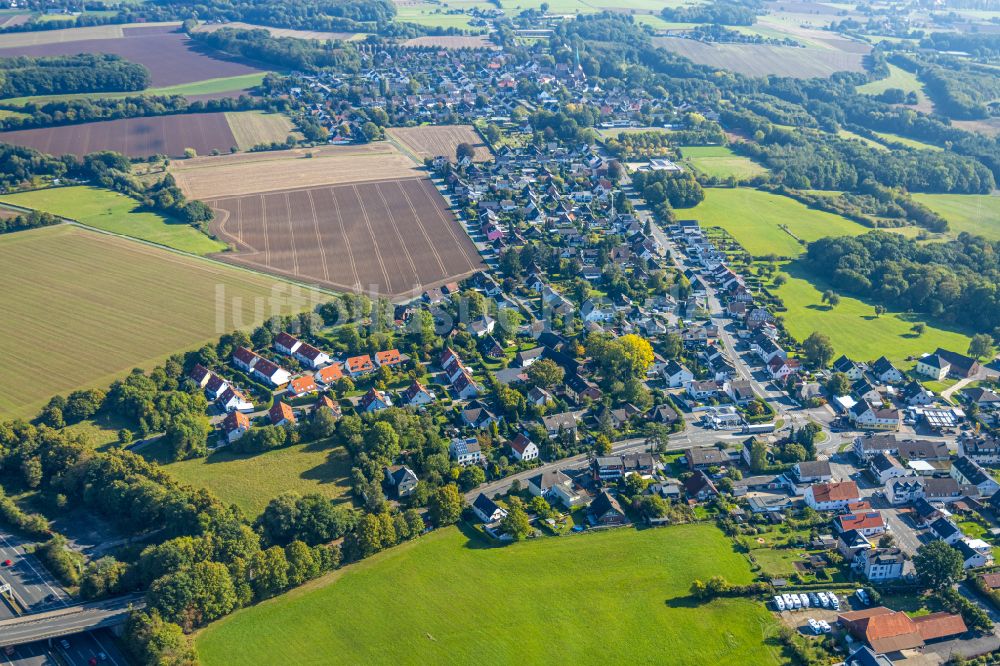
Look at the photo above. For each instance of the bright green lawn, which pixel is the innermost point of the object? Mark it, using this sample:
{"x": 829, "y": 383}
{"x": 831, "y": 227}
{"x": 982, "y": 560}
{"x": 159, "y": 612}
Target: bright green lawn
{"x": 852, "y": 326}
{"x": 777, "y": 563}
{"x": 613, "y": 597}
{"x": 116, "y": 213}
{"x": 753, "y": 218}
{"x": 433, "y": 15}
{"x": 251, "y": 481}
{"x": 721, "y": 162}
{"x": 974, "y": 213}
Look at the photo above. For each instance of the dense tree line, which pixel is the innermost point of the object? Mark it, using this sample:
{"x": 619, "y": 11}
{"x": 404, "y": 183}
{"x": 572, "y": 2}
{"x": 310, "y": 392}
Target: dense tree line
{"x": 31, "y": 220}
{"x": 955, "y": 281}
{"x": 978, "y": 44}
{"x": 873, "y": 206}
{"x": 85, "y": 110}
{"x": 286, "y": 52}
{"x": 86, "y": 72}
{"x": 720, "y": 12}
{"x": 961, "y": 90}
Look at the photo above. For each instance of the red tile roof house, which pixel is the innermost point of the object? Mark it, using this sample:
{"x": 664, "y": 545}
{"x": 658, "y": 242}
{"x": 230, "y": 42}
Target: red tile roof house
{"x": 235, "y": 425}
{"x": 330, "y": 374}
{"x": 523, "y": 448}
{"x": 868, "y": 523}
{"x": 360, "y": 365}
{"x": 390, "y": 357}
{"x": 889, "y": 631}
{"x": 832, "y": 496}
{"x": 303, "y": 385}
{"x": 281, "y": 413}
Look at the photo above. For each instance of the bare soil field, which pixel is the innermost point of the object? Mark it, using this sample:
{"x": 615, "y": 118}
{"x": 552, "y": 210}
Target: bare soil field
{"x": 253, "y": 173}
{"x": 281, "y": 32}
{"x": 391, "y": 237}
{"x": 171, "y": 57}
{"x": 11, "y": 20}
{"x": 135, "y": 137}
{"x": 452, "y": 42}
{"x": 434, "y": 140}
{"x": 765, "y": 59}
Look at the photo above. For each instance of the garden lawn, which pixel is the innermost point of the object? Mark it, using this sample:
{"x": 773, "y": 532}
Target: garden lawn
{"x": 777, "y": 563}
{"x": 852, "y": 326}
{"x": 721, "y": 162}
{"x": 117, "y": 213}
{"x": 619, "y": 596}
{"x": 82, "y": 308}
{"x": 754, "y": 219}
{"x": 974, "y": 213}
{"x": 251, "y": 480}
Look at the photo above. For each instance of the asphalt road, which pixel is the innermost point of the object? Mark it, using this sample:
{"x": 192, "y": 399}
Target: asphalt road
{"x": 30, "y": 582}
{"x": 82, "y": 648}
{"x": 66, "y": 621}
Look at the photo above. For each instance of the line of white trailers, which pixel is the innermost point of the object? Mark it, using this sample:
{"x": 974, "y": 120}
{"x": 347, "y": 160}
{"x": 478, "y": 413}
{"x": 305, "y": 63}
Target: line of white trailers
{"x": 795, "y": 601}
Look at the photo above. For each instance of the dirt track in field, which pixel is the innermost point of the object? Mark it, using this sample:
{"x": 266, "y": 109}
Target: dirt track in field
{"x": 388, "y": 237}
{"x": 436, "y": 140}
{"x": 134, "y": 137}
{"x": 253, "y": 173}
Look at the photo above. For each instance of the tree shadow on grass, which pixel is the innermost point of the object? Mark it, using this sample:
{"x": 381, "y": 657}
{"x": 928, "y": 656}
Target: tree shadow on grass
{"x": 687, "y": 601}
{"x": 800, "y": 270}
{"x": 334, "y": 470}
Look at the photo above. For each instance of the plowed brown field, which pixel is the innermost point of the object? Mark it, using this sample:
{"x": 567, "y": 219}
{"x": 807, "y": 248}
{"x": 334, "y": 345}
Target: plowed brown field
{"x": 135, "y": 137}
{"x": 388, "y": 237}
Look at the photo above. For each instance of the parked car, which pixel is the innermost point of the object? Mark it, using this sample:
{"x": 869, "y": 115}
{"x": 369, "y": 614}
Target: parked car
{"x": 7, "y": 563}
{"x": 862, "y": 596}
{"x": 815, "y": 626}
{"x": 814, "y": 600}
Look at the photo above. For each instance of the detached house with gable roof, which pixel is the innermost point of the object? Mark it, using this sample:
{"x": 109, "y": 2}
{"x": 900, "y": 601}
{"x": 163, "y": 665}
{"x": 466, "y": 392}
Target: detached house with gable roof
{"x": 832, "y": 496}
{"x": 523, "y": 448}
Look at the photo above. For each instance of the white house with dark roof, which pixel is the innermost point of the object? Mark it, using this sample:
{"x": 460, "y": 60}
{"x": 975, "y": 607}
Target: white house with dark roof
{"x": 523, "y": 448}
{"x": 465, "y": 451}
{"x": 676, "y": 375}
{"x": 487, "y": 510}
{"x": 969, "y": 472}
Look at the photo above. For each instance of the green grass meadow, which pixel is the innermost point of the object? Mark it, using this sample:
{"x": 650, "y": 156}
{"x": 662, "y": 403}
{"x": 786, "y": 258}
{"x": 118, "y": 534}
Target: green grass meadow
{"x": 251, "y": 480}
{"x": 852, "y": 325}
{"x": 721, "y": 162}
{"x": 206, "y": 87}
{"x": 117, "y": 213}
{"x": 973, "y": 213}
{"x": 619, "y": 596}
{"x": 754, "y": 219}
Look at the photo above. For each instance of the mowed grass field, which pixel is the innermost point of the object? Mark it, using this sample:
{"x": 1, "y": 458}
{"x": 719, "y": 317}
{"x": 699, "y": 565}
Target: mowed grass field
{"x": 82, "y": 308}
{"x": 852, "y": 325}
{"x": 251, "y": 481}
{"x": 974, "y": 213}
{"x": 117, "y": 213}
{"x": 753, "y": 218}
{"x": 721, "y": 162}
{"x": 612, "y": 597}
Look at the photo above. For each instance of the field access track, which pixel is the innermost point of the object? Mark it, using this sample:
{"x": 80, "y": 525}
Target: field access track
{"x": 391, "y": 237}
{"x": 134, "y": 137}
